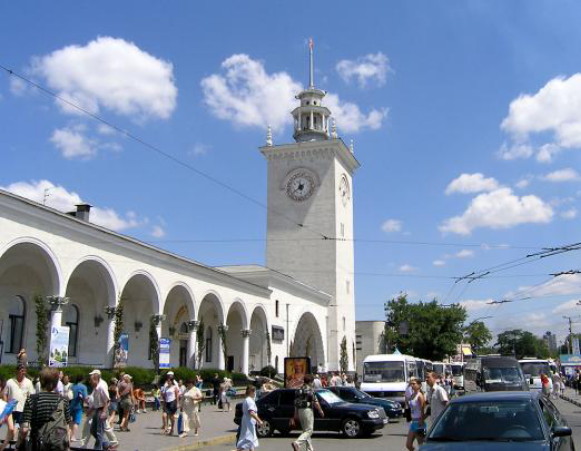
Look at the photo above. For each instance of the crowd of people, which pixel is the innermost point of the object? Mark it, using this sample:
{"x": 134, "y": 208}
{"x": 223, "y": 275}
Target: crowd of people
{"x": 98, "y": 409}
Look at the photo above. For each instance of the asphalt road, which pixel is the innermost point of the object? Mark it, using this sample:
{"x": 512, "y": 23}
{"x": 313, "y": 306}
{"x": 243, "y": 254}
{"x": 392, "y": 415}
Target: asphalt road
{"x": 392, "y": 437}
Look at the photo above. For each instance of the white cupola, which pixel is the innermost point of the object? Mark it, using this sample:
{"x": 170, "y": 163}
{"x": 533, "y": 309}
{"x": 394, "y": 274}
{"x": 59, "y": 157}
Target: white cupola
{"x": 311, "y": 118}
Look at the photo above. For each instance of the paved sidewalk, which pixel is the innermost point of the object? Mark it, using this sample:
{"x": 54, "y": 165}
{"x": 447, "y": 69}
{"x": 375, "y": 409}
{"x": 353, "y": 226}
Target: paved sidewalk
{"x": 572, "y": 396}
{"x": 146, "y": 434}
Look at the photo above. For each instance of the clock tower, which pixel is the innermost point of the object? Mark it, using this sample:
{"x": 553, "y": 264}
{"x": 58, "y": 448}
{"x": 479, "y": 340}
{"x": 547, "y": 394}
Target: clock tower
{"x": 310, "y": 214}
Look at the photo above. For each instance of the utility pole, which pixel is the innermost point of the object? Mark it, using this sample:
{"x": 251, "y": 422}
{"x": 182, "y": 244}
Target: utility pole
{"x": 570, "y": 344}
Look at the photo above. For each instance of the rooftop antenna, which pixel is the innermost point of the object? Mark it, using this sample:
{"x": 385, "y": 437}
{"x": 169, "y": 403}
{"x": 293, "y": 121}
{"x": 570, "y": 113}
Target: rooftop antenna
{"x": 311, "y": 64}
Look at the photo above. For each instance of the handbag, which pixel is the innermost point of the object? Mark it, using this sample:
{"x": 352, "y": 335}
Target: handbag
{"x": 180, "y": 423}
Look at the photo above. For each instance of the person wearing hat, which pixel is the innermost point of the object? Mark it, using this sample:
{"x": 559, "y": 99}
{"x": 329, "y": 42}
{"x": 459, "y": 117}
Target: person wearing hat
{"x": 170, "y": 392}
{"x": 100, "y": 409}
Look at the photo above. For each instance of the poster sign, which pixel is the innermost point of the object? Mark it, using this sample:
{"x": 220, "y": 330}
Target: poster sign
{"x": 576, "y": 346}
{"x": 59, "y": 346}
{"x": 164, "y": 347}
{"x": 122, "y": 352}
{"x": 295, "y": 369}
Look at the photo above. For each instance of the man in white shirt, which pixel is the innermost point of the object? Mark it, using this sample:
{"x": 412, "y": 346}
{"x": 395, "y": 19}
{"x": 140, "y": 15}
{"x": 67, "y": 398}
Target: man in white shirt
{"x": 101, "y": 409}
{"x": 437, "y": 397}
{"x": 18, "y": 388}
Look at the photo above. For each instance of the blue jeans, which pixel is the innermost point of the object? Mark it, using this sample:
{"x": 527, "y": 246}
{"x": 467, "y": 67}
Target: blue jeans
{"x": 98, "y": 431}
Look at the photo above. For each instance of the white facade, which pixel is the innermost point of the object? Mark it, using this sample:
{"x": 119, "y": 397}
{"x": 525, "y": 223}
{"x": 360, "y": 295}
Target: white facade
{"x": 306, "y": 292}
{"x": 368, "y": 340}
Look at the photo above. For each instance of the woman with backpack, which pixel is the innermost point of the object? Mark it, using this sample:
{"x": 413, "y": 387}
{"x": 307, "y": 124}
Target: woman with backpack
{"x": 45, "y": 409}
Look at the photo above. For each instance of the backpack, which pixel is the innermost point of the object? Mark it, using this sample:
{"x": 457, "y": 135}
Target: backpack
{"x": 53, "y": 435}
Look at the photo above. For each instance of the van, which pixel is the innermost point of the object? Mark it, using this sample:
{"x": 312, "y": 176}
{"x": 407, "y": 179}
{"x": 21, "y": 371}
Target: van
{"x": 532, "y": 368}
{"x": 482, "y": 374}
{"x": 388, "y": 375}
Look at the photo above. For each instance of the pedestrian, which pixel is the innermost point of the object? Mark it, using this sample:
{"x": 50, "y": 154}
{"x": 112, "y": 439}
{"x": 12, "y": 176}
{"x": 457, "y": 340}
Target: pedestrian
{"x": 438, "y": 397}
{"x": 556, "y": 378}
{"x": 305, "y": 401}
{"x": 40, "y": 407}
{"x": 139, "y": 400}
{"x": 170, "y": 393}
{"x": 248, "y": 439}
{"x": 67, "y": 387}
{"x": 224, "y": 399}
{"x": 125, "y": 390}
{"x": 417, "y": 403}
{"x": 22, "y": 358}
{"x": 156, "y": 394}
{"x": 215, "y": 388}
{"x": 17, "y": 388}
{"x": 113, "y": 400}
{"x": 100, "y": 409}
{"x": 349, "y": 382}
{"x": 189, "y": 408}
{"x": 546, "y": 385}
{"x": 80, "y": 394}
{"x": 317, "y": 384}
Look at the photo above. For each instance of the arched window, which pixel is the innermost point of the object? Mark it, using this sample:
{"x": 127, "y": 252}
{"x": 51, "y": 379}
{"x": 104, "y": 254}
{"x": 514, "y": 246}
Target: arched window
{"x": 209, "y": 344}
{"x": 16, "y": 315}
{"x": 72, "y": 321}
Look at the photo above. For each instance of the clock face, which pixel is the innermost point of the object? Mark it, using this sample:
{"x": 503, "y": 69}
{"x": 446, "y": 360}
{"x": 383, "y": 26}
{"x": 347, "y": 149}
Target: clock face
{"x": 300, "y": 186}
{"x": 344, "y": 191}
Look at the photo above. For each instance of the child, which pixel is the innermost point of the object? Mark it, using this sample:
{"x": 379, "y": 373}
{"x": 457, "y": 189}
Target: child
{"x": 156, "y": 394}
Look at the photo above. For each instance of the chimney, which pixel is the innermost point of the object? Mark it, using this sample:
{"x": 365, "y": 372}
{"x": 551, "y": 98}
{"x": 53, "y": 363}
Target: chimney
{"x": 82, "y": 212}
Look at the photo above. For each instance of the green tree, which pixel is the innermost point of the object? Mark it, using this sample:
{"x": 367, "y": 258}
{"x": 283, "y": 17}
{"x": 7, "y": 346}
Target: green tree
{"x": 200, "y": 342}
{"x": 424, "y": 329}
{"x": 42, "y": 332}
{"x": 478, "y": 335}
{"x": 521, "y": 343}
{"x": 344, "y": 358}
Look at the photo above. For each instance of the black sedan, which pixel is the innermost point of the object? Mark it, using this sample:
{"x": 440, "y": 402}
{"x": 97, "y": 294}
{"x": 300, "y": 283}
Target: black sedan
{"x": 392, "y": 409}
{"x": 354, "y": 420}
{"x": 500, "y": 421}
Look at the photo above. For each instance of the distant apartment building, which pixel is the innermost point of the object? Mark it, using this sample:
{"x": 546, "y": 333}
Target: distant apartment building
{"x": 367, "y": 341}
{"x": 551, "y": 340}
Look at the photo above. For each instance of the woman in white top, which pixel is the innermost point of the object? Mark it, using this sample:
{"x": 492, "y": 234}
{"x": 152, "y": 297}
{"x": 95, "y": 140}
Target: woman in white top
{"x": 417, "y": 405}
{"x": 248, "y": 440}
{"x": 189, "y": 408}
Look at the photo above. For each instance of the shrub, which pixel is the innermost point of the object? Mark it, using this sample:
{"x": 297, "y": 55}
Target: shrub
{"x": 268, "y": 371}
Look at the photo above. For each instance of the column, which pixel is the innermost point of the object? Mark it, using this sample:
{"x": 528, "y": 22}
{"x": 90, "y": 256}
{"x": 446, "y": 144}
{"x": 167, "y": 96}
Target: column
{"x": 157, "y": 320}
{"x": 245, "y": 349}
{"x": 192, "y": 342}
{"x": 311, "y": 125}
{"x": 222, "y": 329}
{"x": 109, "y": 350}
{"x": 56, "y": 303}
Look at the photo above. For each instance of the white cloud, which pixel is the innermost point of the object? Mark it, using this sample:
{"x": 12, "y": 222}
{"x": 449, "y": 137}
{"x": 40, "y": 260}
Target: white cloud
{"x": 158, "y": 231}
{"x": 464, "y": 253}
{"x": 472, "y": 183}
{"x": 515, "y": 151}
{"x": 562, "y": 175}
{"x": 499, "y": 209}
{"x": 571, "y": 213}
{"x": 72, "y": 143}
{"x": 553, "y": 109}
{"x": 473, "y": 305}
{"x": 547, "y": 152}
{"x": 392, "y": 225}
{"x": 566, "y": 307}
{"x": 199, "y": 149}
{"x": 110, "y": 73}
{"x": 522, "y": 183}
{"x": 369, "y": 68}
{"x": 248, "y": 96}
{"x": 407, "y": 268}
{"x": 566, "y": 284}
{"x": 439, "y": 263}
{"x": 59, "y": 198}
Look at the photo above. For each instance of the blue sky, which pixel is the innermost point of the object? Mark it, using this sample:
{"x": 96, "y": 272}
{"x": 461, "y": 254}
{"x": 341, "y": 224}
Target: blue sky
{"x": 464, "y": 115}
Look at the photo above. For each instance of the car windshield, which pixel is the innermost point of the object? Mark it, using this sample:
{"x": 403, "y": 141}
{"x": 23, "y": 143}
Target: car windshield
{"x": 456, "y": 370}
{"x": 534, "y": 369}
{"x": 499, "y": 375}
{"x": 361, "y": 394}
{"x": 486, "y": 420}
{"x": 329, "y": 397}
{"x": 439, "y": 368}
{"x": 383, "y": 372}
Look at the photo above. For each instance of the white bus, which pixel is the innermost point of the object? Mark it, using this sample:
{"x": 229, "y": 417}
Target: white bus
{"x": 387, "y": 375}
{"x": 532, "y": 369}
{"x": 458, "y": 374}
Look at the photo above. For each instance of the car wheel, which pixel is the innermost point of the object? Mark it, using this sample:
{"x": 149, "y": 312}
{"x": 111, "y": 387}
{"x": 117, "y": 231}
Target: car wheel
{"x": 351, "y": 427}
{"x": 265, "y": 430}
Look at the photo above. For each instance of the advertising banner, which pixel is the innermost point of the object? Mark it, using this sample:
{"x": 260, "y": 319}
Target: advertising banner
{"x": 59, "y": 346}
{"x": 576, "y": 345}
{"x": 164, "y": 347}
{"x": 122, "y": 352}
{"x": 295, "y": 369}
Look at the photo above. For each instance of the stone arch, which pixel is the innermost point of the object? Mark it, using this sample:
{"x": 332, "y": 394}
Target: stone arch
{"x": 308, "y": 340}
{"x": 91, "y": 287}
{"x": 211, "y": 316}
{"x": 237, "y": 321}
{"x": 258, "y": 355}
{"x": 141, "y": 301}
{"x": 28, "y": 268}
{"x": 179, "y": 308}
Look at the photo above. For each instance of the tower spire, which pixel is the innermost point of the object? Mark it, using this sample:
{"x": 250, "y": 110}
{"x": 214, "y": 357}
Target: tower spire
{"x": 311, "y": 64}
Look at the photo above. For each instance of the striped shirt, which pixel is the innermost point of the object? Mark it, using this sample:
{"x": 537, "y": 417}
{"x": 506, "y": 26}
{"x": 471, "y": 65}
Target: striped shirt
{"x": 39, "y": 408}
